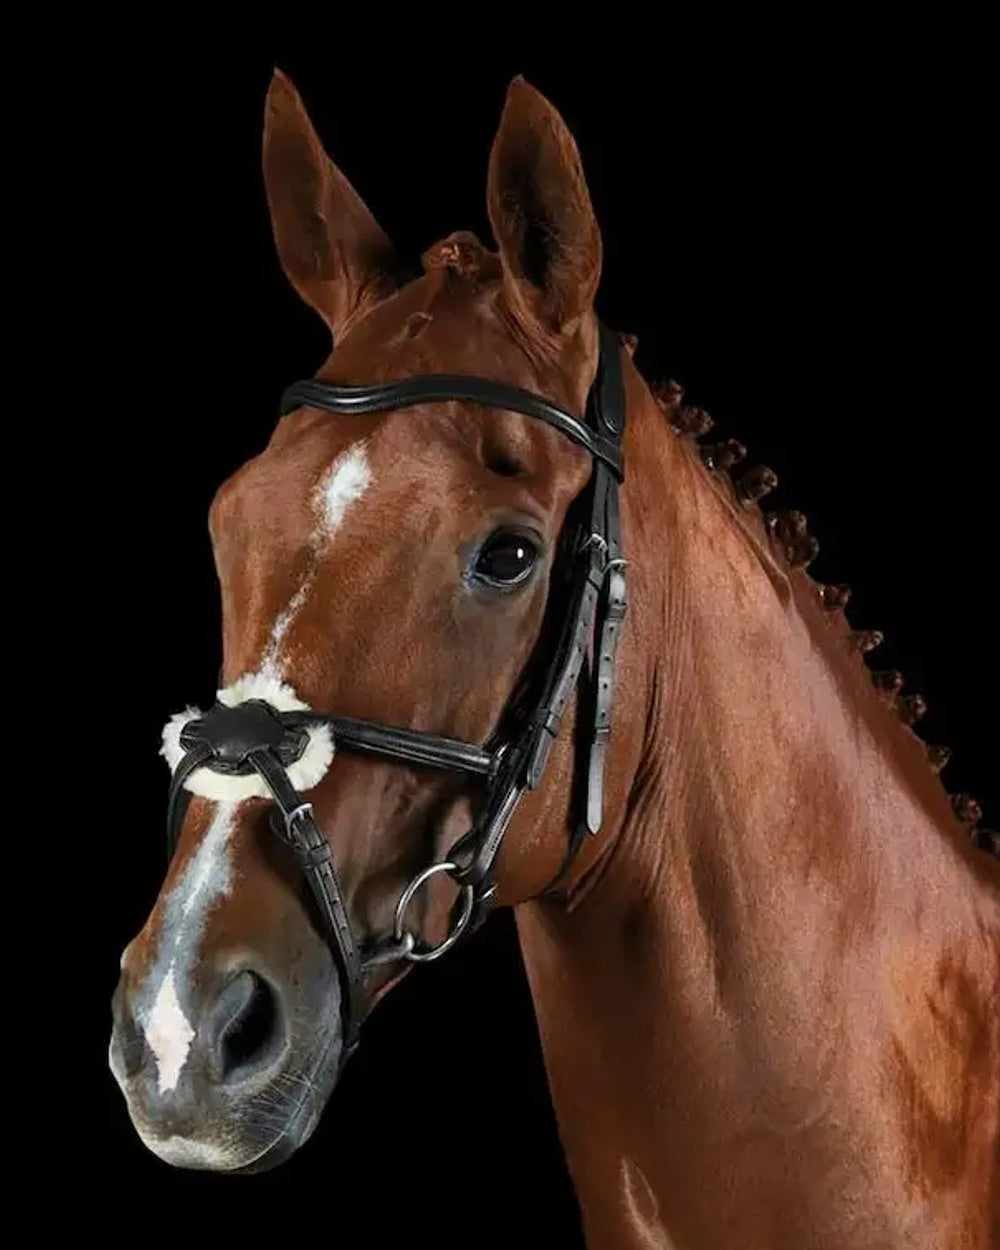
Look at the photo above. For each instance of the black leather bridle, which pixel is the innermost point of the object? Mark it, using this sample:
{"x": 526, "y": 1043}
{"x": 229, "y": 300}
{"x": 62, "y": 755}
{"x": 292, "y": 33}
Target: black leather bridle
{"x": 255, "y": 737}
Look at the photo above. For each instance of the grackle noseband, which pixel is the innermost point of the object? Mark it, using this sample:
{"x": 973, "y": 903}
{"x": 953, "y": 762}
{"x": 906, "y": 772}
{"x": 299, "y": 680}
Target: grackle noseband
{"x": 253, "y": 736}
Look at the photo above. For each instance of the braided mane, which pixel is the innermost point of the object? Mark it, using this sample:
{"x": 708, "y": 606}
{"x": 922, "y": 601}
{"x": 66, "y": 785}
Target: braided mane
{"x": 786, "y": 534}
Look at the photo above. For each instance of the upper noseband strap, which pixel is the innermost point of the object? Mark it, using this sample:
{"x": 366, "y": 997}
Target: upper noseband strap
{"x": 410, "y": 746}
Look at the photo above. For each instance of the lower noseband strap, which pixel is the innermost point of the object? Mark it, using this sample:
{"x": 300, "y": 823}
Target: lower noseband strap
{"x": 312, "y": 852}
{"x": 251, "y": 737}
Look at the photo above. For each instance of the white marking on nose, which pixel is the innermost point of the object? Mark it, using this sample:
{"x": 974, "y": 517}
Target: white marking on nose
{"x": 169, "y": 1034}
{"x": 206, "y": 879}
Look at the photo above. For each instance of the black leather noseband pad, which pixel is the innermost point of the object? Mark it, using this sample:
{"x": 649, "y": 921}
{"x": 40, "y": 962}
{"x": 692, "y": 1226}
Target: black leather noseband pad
{"x": 233, "y": 733}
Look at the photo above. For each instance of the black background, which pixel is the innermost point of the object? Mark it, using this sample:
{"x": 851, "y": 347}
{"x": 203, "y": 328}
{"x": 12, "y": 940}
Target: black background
{"x": 795, "y": 224}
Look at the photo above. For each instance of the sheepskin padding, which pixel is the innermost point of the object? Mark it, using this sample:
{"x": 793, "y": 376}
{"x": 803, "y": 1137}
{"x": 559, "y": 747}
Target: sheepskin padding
{"x": 307, "y": 771}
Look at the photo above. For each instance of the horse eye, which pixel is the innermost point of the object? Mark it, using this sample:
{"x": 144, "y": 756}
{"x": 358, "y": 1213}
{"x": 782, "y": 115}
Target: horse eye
{"x": 505, "y": 559}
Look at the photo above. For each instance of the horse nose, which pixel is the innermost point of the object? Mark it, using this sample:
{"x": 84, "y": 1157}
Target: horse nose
{"x": 177, "y": 1052}
{"x": 128, "y": 1047}
{"x": 243, "y": 1033}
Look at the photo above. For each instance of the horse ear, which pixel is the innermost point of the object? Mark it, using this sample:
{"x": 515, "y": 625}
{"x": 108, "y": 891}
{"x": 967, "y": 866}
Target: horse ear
{"x": 330, "y": 246}
{"x": 541, "y": 214}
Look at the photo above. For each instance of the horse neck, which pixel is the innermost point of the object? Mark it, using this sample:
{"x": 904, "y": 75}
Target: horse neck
{"x": 748, "y": 964}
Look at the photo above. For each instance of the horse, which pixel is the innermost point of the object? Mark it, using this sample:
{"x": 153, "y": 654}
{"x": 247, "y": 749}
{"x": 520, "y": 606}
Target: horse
{"x": 757, "y": 930}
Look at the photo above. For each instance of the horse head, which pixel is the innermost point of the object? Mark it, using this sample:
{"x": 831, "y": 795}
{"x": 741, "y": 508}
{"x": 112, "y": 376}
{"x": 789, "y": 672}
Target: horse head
{"x": 390, "y": 567}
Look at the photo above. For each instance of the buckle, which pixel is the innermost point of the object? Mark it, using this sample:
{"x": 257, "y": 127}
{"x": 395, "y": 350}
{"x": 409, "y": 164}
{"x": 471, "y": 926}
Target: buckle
{"x": 285, "y": 824}
{"x": 594, "y": 540}
{"x": 599, "y": 543}
{"x": 296, "y": 814}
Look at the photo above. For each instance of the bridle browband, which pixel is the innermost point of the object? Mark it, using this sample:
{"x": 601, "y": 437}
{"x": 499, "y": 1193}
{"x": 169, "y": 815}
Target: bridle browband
{"x": 434, "y": 387}
{"x": 255, "y": 737}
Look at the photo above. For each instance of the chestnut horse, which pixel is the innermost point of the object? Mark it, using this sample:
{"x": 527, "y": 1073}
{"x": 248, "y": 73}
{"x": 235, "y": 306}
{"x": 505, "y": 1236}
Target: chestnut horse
{"x": 776, "y": 969}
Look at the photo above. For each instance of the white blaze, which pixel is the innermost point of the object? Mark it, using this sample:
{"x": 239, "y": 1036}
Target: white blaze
{"x": 206, "y": 879}
{"x": 345, "y": 482}
{"x": 342, "y": 484}
{"x": 271, "y": 663}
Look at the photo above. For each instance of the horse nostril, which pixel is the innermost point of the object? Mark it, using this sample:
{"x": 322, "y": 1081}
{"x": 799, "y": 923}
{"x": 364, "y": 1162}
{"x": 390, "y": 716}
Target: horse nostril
{"x": 244, "y": 1029}
{"x": 128, "y": 1049}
